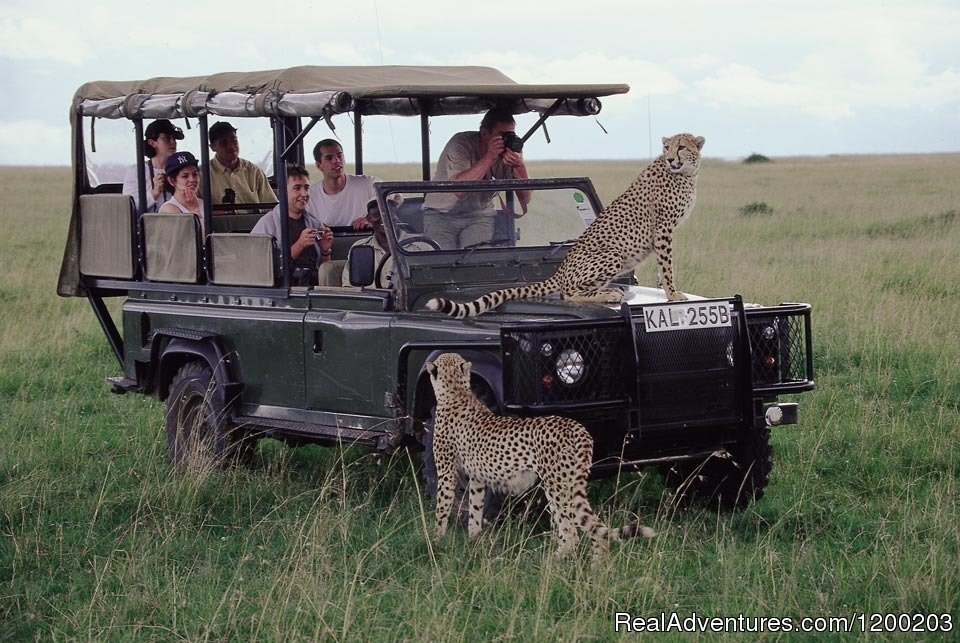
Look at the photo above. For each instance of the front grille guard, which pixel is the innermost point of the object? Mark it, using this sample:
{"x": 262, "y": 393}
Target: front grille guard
{"x": 781, "y": 343}
{"x": 541, "y": 362}
{"x": 689, "y": 363}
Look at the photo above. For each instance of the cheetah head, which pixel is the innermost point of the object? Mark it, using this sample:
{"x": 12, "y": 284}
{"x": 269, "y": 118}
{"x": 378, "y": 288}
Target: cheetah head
{"x": 448, "y": 373}
{"x": 682, "y": 153}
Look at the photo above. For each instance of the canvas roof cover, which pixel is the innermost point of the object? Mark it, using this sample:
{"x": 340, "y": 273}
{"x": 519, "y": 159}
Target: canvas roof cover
{"x": 309, "y": 91}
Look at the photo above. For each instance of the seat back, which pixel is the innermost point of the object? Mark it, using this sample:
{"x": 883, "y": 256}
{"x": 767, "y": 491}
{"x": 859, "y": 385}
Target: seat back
{"x": 243, "y": 259}
{"x": 106, "y": 236}
{"x": 410, "y": 214}
{"x": 172, "y": 247}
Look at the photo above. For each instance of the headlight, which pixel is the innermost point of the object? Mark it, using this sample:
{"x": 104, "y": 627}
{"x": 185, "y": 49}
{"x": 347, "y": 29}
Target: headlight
{"x": 569, "y": 366}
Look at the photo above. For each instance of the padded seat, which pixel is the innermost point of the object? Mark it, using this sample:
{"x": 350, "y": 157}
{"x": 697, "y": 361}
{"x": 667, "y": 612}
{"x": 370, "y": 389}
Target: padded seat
{"x": 172, "y": 247}
{"x": 243, "y": 259}
{"x": 106, "y": 236}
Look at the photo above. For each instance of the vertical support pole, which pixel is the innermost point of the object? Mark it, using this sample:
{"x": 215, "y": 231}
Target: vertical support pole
{"x": 358, "y": 141}
{"x": 141, "y": 180}
{"x": 424, "y": 141}
{"x": 205, "y": 190}
{"x": 279, "y": 144}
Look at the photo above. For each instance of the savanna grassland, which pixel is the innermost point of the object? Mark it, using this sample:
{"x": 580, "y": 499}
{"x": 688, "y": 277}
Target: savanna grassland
{"x": 100, "y": 540}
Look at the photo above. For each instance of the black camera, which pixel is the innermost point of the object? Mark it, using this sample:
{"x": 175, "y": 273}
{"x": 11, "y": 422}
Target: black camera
{"x": 229, "y": 196}
{"x": 512, "y": 141}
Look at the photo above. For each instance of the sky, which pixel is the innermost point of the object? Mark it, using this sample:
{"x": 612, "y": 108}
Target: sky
{"x": 776, "y": 77}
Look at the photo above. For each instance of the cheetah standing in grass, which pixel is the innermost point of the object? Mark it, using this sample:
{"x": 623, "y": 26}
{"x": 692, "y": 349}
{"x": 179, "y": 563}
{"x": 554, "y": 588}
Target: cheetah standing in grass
{"x": 509, "y": 454}
{"x": 638, "y": 222}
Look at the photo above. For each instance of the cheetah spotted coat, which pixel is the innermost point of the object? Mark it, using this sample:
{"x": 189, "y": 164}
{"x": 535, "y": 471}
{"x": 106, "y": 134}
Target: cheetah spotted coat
{"x": 509, "y": 455}
{"x": 638, "y": 222}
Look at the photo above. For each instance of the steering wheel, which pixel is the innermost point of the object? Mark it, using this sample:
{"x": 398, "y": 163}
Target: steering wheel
{"x": 402, "y": 243}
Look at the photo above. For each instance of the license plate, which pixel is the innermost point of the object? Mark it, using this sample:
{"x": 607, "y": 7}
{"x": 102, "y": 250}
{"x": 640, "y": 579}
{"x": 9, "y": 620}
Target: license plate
{"x": 687, "y": 316}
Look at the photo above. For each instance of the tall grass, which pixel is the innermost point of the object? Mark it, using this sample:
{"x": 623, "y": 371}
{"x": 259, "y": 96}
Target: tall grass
{"x": 101, "y": 540}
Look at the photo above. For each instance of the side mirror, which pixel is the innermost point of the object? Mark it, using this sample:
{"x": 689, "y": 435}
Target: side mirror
{"x": 361, "y": 266}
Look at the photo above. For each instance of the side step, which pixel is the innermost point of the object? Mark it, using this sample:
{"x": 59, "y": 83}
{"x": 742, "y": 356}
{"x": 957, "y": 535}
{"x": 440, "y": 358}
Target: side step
{"x": 121, "y": 385}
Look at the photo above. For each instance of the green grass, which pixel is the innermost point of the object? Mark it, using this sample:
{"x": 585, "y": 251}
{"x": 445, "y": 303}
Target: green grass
{"x": 100, "y": 540}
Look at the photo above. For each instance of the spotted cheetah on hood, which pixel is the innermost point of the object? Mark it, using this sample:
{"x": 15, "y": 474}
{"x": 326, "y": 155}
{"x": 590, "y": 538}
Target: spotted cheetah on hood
{"x": 639, "y": 222}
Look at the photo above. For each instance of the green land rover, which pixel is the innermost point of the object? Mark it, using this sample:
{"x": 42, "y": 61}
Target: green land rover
{"x": 213, "y": 325}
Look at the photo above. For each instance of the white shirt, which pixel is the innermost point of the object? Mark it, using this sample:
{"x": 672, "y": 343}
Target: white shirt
{"x": 347, "y": 205}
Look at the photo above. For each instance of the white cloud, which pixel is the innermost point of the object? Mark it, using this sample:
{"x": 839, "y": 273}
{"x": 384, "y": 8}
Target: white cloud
{"x": 34, "y": 38}
{"x": 745, "y": 87}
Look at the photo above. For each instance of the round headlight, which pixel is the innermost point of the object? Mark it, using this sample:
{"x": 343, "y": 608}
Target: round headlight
{"x": 569, "y": 366}
{"x": 769, "y": 332}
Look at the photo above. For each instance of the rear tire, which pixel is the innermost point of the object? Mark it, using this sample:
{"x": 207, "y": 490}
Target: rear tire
{"x": 199, "y": 432}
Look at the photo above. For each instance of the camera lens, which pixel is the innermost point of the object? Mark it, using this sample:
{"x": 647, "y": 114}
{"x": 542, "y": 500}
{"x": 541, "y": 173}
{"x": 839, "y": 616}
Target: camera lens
{"x": 512, "y": 142}
{"x": 229, "y": 195}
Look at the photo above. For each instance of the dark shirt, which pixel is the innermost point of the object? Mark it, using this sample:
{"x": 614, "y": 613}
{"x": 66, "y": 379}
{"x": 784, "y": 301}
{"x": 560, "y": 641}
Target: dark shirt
{"x": 308, "y": 258}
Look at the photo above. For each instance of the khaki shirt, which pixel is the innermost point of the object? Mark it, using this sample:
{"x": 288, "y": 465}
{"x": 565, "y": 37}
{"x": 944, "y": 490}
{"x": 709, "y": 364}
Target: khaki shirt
{"x": 247, "y": 181}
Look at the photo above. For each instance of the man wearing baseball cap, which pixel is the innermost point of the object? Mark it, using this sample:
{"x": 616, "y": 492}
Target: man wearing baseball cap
{"x": 233, "y": 179}
{"x": 160, "y": 141}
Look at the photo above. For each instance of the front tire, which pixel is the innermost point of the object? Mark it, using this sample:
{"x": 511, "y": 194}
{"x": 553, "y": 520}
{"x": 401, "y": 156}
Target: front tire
{"x": 729, "y": 483}
{"x": 199, "y": 432}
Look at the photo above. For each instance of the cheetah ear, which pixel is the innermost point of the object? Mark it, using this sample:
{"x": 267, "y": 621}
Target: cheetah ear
{"x": 465, "y": 367}
{"x": 699, "y": 141}
{"x": 665, "y": 140}
{"x": 431, "y": 369}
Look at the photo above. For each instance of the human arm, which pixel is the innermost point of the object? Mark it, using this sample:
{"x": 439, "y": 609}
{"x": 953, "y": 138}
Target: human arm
{"x": 308, "y": 237}
{"x": 514, "y": 160}
{"x": 130, "y": 187}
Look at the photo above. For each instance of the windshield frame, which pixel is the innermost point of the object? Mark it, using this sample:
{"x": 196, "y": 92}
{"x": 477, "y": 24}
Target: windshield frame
{"x": 484, "y": 266}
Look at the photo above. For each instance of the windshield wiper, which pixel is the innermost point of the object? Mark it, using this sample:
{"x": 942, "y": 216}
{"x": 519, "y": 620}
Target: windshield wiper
{"x": 557, "y": 247}
{"x": 480, "y": 244}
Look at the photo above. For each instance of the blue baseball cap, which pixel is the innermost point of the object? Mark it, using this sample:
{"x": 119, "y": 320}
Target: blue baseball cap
{"x": 178, "y": 161}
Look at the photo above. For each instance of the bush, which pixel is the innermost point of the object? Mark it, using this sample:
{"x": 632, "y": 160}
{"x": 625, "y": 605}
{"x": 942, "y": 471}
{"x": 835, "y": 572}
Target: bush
{"x": 757, "y": 158}
{"x": 757, "y": 207}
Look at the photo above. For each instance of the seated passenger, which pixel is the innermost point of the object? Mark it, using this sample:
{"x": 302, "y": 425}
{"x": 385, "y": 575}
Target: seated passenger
{"x": 378, "y": 241}
{"x": 160, "y": 141}
{"x": 305, "y": 251}
{"x": 233, "y": 179}
{"x": 183, "y": 176}
{"x": 339, "y": 198}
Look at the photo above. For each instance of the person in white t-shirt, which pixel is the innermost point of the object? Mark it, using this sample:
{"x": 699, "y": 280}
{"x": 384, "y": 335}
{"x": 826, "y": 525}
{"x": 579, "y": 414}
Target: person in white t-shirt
{"x": 340, "y": 199}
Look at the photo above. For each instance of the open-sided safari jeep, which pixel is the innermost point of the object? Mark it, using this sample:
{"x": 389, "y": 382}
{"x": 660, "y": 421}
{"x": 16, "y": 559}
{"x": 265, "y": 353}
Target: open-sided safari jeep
{"x": 213, "y": 327}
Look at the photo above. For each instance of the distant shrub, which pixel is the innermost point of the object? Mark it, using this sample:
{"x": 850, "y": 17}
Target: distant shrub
{"x": 757, "y": 158}
{"x": 757, "y": 207}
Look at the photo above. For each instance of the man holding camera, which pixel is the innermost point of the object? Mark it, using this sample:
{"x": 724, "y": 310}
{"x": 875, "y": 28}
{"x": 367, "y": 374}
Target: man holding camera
{"x": 310, "y": 241}
{"x": 233, "y": 179}
{"x": 461, "y": 219}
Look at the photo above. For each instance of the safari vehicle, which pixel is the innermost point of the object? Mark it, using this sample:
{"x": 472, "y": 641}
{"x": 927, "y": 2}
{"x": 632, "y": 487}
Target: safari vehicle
{"x": 213, "y": 327}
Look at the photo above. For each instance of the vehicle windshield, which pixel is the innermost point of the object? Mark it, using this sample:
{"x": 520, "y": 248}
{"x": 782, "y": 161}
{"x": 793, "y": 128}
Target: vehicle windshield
{"x": 462, "y": 221}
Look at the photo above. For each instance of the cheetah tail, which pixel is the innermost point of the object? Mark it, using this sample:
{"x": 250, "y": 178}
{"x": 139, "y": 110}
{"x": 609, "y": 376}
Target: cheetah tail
{"x": 632, "y": 530}
{"x": 490, "y": 300}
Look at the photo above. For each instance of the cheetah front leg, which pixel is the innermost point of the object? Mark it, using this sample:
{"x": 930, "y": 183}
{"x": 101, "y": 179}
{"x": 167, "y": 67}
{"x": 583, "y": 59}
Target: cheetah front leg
{"x": 477, "y": 492}
{"x": 594, "y": 275}
{"x": 663, "y": 247}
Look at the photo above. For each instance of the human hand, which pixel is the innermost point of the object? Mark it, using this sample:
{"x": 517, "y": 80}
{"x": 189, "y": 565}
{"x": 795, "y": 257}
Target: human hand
{"x": 324, "y": 238}
{"x": 495, "y": 147}
{"x": 361, "y": 223}
{"x": 513, "y": 159}
{"x": 159, "y": 180}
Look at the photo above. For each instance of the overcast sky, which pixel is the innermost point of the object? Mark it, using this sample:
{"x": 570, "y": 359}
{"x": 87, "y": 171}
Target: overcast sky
{"x": 779, "y": 77}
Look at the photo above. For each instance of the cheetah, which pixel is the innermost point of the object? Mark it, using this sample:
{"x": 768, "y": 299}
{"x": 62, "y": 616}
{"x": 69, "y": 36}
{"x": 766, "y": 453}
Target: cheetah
{"x": 638, "y": 222}
{"x": 509, "y": 455}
